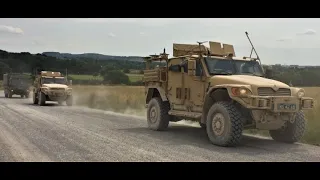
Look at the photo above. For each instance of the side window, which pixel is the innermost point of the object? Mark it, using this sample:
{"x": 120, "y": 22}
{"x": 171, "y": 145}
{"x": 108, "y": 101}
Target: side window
{"x": 199, "y": 69}
{"x": 184, "y": 65}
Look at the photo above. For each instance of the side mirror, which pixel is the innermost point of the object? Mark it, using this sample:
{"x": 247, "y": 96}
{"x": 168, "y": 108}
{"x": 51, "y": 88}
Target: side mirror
{"x": 269, "y": 73}
{"x": 192, "y": 67}
{"x": 70, "y": 82}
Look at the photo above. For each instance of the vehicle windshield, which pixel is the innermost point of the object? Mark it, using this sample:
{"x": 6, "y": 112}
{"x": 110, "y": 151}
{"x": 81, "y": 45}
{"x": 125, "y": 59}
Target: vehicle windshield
{"x": 231, "y": 67}
{"x": 21, "y": 81}
{"x": 46, "y": 80}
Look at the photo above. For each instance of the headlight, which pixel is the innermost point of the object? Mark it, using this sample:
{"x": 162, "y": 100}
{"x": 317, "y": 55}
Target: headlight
{"x": 300, "y": 93}
{"x": 240, "y": 91}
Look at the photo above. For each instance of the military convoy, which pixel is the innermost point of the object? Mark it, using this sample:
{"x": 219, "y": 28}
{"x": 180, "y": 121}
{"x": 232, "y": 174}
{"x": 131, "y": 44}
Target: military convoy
{"x": 51, "y": 86}
{"x": 224, "y": 93}
{"x": 16, "y": 84}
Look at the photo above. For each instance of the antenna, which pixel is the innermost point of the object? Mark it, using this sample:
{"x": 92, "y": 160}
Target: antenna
{"x": 66, "y": 73}
{"x": 200, "y": 51}
{"x": 200, "y": 43}
{"x": 253, "y": 49}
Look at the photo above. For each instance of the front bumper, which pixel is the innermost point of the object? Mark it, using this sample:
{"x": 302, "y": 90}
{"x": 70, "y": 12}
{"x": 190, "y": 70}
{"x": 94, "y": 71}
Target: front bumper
{"x": 279, "y": 103}
{"x": 57, "y": 95}
{"x": 20, "y": 91}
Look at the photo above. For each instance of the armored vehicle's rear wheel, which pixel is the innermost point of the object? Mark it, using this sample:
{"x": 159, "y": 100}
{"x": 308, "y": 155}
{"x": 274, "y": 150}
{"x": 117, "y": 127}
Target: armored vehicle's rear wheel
{"x": 35, "y": 99}
{"x": 157, "y": 114}
{"x": 69, "y": 101}
{"x": 42, "y": 99}
{"x": 292, "y": 132}
{"x": 224, "y": 124}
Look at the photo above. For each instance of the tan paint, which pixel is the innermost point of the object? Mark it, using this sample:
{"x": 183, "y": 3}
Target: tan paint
{"x": 195, "y": 90}
{"x": 55, "y": 86}
{"x": 51, "y": 90}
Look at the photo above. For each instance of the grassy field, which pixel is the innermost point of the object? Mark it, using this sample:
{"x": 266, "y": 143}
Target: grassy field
{"x": 132, "y": 77}
{"x": 85, "y": 77}
{"x": 130, "y": 100}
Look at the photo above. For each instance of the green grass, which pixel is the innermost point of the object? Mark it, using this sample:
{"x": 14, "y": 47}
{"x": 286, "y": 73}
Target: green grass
{"x": 135, "y": 77}
{"x": 131, "y": 100}
{"x": 85, "y": 77}
{"x": 132, "y": 77}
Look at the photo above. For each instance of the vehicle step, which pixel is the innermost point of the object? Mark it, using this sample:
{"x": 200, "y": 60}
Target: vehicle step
{"x": 185, "y": 114}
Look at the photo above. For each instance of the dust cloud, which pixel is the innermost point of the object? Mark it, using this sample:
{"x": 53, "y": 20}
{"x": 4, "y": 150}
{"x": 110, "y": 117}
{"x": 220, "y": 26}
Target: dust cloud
{"x": 99, "y": 100}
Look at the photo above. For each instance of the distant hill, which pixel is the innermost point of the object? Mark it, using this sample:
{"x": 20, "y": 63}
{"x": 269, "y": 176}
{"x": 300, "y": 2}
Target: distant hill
{"x": 92, "y": 56}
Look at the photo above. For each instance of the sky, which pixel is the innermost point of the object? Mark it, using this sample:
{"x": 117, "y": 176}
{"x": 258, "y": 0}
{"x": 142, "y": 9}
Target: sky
{"x": 277, "y": 41}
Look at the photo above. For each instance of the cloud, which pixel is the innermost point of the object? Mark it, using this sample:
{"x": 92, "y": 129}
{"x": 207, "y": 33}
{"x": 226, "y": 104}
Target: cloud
{"x": 308, "y": 32}
{"x": 10, "y": 29}
{"x": 111, "y": 35}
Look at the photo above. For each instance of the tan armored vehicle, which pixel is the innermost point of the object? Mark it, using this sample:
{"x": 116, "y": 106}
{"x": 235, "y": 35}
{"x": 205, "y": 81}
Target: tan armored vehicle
{"x": 51, "y": 86}
{"x": 224, "y": 93}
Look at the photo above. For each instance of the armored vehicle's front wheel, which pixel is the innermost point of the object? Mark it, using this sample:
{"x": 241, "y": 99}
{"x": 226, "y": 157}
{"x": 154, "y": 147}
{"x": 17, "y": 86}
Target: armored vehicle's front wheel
{"x": 35, "y": 99}
{"x": 292, "y": 132}
{"x": 224, "y": 124}
{"x": 157, "y": 114}
{"x": 42, "y": 99}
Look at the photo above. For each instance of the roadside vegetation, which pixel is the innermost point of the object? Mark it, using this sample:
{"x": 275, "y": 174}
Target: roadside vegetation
{"x": 130, "y": 100}
{"x": 116, "y": 85}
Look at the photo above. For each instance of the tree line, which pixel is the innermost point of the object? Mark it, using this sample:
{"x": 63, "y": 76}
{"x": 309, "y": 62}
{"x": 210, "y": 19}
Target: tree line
{"x": 113, "y": 71}
{"x": 25, "y": 62}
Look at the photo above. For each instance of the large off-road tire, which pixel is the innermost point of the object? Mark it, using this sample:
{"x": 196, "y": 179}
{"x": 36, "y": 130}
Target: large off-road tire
{"x": 42, "y": 99}
{"x": 35, "y": 99}
{"x": 292, "y": 132}
{"x": 157, "y": 114}
{"x": 224, "y": 124}
{"x": 69, "y": 101}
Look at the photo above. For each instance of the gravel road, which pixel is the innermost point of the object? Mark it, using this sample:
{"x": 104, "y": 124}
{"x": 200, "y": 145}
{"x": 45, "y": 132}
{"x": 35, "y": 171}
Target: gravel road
{"x": 60, "y": 133}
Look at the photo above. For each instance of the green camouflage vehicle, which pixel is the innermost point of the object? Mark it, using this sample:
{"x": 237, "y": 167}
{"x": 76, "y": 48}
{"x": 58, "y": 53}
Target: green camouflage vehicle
{"x": 16, "y": 84}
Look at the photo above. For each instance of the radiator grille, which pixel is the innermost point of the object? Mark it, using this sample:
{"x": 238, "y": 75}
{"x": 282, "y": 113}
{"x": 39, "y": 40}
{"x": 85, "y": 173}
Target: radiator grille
{"x": 266, "y": 91}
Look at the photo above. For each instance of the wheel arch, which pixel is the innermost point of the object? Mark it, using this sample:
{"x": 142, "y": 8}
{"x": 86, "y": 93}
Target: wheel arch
{"x": 155, "y": 92}
{"x": 214, "y": 94}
